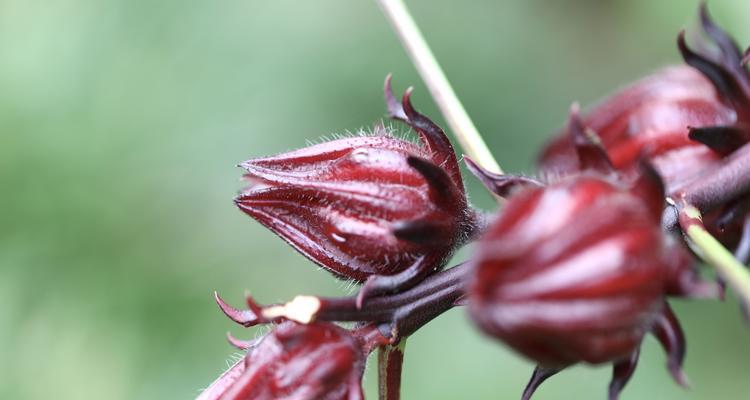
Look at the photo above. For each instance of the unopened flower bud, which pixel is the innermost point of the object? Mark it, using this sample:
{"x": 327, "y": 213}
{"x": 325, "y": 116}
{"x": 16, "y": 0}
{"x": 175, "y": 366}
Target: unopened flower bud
{"x": 683, "y": 119}
{"x": 319, "y": 361}
{"x": 372, "y": 206}
{"x": 578, "y": 271}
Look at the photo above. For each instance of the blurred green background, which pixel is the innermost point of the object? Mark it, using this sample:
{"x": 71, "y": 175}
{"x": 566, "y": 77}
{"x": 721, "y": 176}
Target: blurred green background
{"x": 121, "y": 123}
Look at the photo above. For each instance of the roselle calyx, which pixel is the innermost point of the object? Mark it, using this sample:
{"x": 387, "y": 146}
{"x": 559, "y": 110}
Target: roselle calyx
{"x": 649, "y": 118}
{"x": 685, "y": 120}
{"x": 373, "y": 208}
{"x": 318, "y": 361}
{"x": 682, "y": 118}
{"x": 578, "y": 271}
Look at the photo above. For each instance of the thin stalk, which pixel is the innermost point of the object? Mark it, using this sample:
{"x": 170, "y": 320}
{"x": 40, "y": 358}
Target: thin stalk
{"x": 437, "y": 83}
{"x": 715, "y": 254}
{"x": 390, "y": 363}
{"x": 400, "y": 313}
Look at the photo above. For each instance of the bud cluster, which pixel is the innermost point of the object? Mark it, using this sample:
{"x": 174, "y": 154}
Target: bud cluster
{"x": 577, "y": 267}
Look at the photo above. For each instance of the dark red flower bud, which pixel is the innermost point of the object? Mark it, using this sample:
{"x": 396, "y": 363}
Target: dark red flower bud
{"x": 682, "y": 118}
{"x": 372, "y": 206}
{"x": 578, "y": 272}
{"x": 319, "y": 361}
{"x": 652, "y": 118}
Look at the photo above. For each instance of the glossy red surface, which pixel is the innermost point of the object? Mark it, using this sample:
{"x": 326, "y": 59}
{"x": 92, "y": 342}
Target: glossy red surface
{"x": 320, "y": 361}
{"x": 651, "y": 117}
{"x": 684, "y": 120}
{"x": 366, "y": 205}
{"x": 576, "y": 272}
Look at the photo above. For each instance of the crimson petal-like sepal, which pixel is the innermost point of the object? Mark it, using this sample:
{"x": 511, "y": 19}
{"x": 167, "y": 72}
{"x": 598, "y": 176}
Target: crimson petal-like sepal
{"x": 684, "y": 120}
{"x": 731, "y": 57}
{"x": 721, "y": 139}
{"x": 241, "y": 344}
{"x": 578, "y": 271}
{"x": 442, "y": 189}
{"x": 435, "y": 140}
{"x": 726, "y": 81}
{"x": 662, "y": 111}
{"x": 502, "y": 185}
{"x": 668, "y": 331}
{"x": 317, "y": 361}
{"x": 650, "y": 188}
{"x": 538, "y": 377}
{"x": 730, "y": 77}
{"x": 649, "y": 118}
{"x": 367, "y": 208}
{"x": 247, "y": 318}
{"x": 591, "y": 152}
{"x": 622, "y": 371}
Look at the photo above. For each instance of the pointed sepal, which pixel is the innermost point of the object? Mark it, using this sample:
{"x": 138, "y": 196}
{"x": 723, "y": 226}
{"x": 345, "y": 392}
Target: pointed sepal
{"x": 668, "y": 331}
{"x": 442, "y": 187}
{"x": 537, "y": 378}
{"x": 380, "y": 284}
{"x": 432, "y": 136}
{"x": 622, "y": 371}
{"x": 502, "y": 185}
{"x": 650, "y": 187}
{"x": 726, "y": 82}
{"x": 721, "y": 139}
{"x": 588, "y": 145}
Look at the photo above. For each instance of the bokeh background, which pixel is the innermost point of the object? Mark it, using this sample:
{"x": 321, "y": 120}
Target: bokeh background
{"x": 120, "y": 125}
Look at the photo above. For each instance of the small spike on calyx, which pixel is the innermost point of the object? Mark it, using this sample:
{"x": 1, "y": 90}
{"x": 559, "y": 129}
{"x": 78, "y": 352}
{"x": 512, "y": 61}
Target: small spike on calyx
{"x": 246, "y": 318}
{"x": 727, "y": 82}
{"x": 239, "y": 343}
{"x": 621, "y": 374}
{"x": 395, "y": 110}
{"x": 502, "y": 185}
{"x": 668, "y": 331}
{"x": 437, "y": 179}
{"x": 591, "y": 152}
{"x": 650, "y": 187}
{"x": 721, "y": 139}
{"x": 537, "y": 378}
{"x": 419, "y": 231}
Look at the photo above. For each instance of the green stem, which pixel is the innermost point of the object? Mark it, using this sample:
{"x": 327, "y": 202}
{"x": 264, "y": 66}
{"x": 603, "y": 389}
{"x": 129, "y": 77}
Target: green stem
{"x": 437, "y": 83}
{"x": 715, "y": 254}
{"x": 390, "y": 362}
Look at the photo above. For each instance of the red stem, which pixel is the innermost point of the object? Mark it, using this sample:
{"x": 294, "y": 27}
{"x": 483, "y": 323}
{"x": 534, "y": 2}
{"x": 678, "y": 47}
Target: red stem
{"x": 717, "y": 186}
{"x": 401, "y": 314}
{"x": 390, "y": 362}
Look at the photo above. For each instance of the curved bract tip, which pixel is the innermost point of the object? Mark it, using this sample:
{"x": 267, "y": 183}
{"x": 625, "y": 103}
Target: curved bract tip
{"x": 668, "y": 331}
{"x": 622, "y": 371}
{"x": 502, "y": 185}
{"x": 588, "y": 146}
{"x": 395, "y": 110}
{"x": 239, "y": 343}
{"x": 245, "y": 318}
{"x": 537, "y": 378}
{"x": 431, "y": 135}
{"x": 650, "y": 187}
